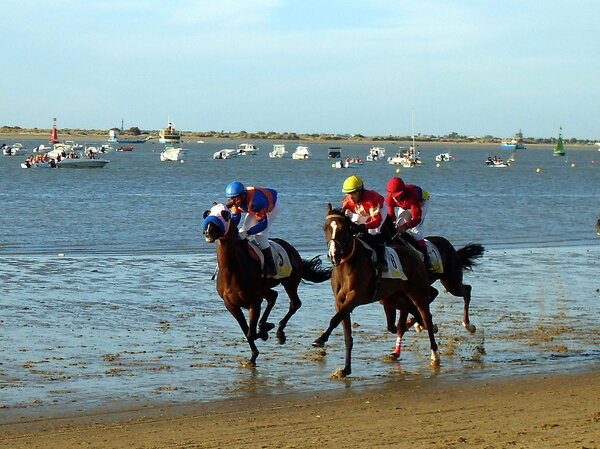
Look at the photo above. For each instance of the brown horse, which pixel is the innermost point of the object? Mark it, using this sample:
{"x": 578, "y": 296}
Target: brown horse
{"x": 454, "y": 263}
{"x": 241, "y": 284}
{"x": 354, "y": 283}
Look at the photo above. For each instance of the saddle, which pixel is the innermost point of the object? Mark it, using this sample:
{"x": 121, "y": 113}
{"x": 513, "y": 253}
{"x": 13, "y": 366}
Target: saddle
{"x": 395, "y": 270}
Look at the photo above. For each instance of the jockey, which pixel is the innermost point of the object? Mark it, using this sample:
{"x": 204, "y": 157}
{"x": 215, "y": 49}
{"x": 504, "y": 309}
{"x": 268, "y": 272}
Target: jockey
{"x": 366, "y": 208}
{"x": 262, "y": 208}
{"x": 413, "y": 202}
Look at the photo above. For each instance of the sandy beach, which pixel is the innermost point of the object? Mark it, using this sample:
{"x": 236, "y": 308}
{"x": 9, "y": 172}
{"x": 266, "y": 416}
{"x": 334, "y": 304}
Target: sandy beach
{"x": 531, "y": 412}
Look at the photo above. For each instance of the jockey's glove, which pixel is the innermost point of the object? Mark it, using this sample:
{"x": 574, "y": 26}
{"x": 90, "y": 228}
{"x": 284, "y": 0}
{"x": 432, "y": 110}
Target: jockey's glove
{"x": 243, "y": 234}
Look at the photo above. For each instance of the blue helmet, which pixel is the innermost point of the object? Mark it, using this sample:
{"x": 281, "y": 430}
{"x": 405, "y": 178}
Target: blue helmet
{"x": 234, "y": 189}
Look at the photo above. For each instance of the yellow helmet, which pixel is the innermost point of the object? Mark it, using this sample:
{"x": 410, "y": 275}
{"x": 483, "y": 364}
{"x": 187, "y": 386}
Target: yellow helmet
{"x": 352, "y": 184}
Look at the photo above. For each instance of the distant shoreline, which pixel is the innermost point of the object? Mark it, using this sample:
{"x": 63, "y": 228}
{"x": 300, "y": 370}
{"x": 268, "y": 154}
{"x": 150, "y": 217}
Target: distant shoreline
{"x": 12, "y": 137}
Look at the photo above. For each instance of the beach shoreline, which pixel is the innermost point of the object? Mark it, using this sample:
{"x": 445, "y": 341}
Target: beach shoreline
{"x": 558, "y": 411}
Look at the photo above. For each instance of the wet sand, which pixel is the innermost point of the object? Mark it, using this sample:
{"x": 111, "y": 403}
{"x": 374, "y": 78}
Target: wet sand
{"x": 528, "y": 412}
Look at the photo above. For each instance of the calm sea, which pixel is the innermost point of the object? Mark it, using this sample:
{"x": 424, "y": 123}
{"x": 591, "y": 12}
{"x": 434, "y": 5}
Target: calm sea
{"x": 106, "y": 297}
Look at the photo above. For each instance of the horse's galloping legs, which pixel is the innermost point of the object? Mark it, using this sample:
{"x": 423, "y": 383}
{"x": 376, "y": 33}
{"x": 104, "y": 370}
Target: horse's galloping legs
{"x": 400, "y": 329}
{"x": 427, "y": 319}
{"x": 348, "y": 340}
{"x": 295, "y": 304}
{"x": 237, "y": 313}
{"x": 263, "y": 326}
{"x": 344, "y": 310}
{"x": 457, "y": 288}
{"x": 467, "y": 300}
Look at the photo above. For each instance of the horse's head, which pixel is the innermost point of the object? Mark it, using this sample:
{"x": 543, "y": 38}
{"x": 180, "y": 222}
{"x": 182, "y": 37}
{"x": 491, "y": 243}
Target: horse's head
{"x": 217, "y": 222}
{"x": 339, "y": 234}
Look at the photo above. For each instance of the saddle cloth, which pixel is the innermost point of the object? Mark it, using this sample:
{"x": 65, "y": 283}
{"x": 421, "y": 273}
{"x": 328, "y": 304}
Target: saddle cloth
{"x": 434, "y": 256}
{"x": 395, "y": 270}
{"x": 280, "y": 256}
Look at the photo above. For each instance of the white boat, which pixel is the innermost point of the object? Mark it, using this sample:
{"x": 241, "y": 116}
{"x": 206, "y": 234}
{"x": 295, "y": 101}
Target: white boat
{"x": 226, "y": 153}
{"x": 278, "y": 151}
{"x": 81, "y": 162}
{"x": 375, "y": 154}
{"x": 102, "y": 149}
{"x": 496, "y": 162}
{"x": 41, "y": 149}
{"x": 406, "y": 158}
{"x": 169, "y": 134}
{"x": 14, "y": 150}
{"x": 247, "y": 149}
{"x": 443, "y": 157}
{"x": 50, "y": 164}
{"x": 171, "y": 153}
{"x": 302, "y": 152}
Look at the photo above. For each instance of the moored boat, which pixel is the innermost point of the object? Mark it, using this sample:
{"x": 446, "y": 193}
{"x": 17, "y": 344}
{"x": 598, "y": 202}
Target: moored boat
{"x": 278, "y": 151}
{"x": 513, "y": 143}
{"x": 301, "y": 153}
{"x": 173, "y": 154}
{"x": 169, "y": 134}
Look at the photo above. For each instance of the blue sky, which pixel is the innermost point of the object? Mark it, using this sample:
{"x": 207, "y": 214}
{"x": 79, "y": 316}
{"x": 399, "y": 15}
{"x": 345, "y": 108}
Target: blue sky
{"x": 474, "y": 67}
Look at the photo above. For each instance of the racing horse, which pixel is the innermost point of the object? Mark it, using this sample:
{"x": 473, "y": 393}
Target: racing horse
{"x": 241, "y": 284}
{"x": 354, "y": 282}
{"x": 454, "y": 263}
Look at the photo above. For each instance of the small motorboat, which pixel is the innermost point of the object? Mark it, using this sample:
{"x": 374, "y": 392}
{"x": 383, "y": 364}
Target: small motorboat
{"x": 226, "y": 153}
{"x": 171, "y": 153}
{"x": 124, "y": 149}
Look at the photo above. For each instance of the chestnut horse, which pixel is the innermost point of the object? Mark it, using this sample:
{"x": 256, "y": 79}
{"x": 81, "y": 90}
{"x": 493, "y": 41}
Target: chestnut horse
{"x": 454, "y": 263}
{"x": 354, "y": 280}
{"x": 241, "y": 284}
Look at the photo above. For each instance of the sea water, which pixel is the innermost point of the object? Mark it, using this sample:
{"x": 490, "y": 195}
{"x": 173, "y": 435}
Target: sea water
{"x": 106, "y": 295}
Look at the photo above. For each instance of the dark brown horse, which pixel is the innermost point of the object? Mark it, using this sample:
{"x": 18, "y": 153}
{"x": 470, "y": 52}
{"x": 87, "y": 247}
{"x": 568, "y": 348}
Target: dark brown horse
{"x": 454, "y": 263}
{"x": 241, "y": 284}
{"x": 354, "y": 280}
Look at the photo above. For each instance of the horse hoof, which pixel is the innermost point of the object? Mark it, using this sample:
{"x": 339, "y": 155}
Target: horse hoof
{"x": 281, "y": 338}
{"x": 435, "y": 358}
{"x": 318, "y": 343}
{"x": 339, "y": 374}
{"x": 393, "y": 357}
{"x": 418, "y": 327}
{"x": 435, "y": 329}
{"x": 470, "y": 328}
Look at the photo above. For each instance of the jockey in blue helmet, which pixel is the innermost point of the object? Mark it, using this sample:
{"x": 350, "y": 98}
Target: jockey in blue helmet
{"x": 261, "y": 208}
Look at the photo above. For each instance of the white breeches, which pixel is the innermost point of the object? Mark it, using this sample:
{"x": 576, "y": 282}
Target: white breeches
{"x": 262, "y": 238}
{"x": 361, "y": 219}
{"x": 405, "y": 216}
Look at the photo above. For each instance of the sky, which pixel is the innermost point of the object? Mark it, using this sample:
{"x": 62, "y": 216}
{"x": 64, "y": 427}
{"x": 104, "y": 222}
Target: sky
{"x": 373, "y": 67}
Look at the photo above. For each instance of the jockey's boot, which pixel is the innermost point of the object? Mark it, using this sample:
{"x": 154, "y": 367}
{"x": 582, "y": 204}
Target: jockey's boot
{"x": 269, "y": 269}
{"x": 426, "y": 258}
{"x": 382, "y": 265}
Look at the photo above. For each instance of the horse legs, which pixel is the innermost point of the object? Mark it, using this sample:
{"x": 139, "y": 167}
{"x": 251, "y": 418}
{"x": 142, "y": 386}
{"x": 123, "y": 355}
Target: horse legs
{"x": 295, "y": 304}
{"x": 344, "y": 309}
{"x": 348, "y": 340}
{"x": 457, "y": 288}
{"x": 263, "y": 326}
{"x": 390, "y": 318}
{"x": 427, "y": 319}
{"x": 401, "y": 328}
{"x": 237, "y": 313}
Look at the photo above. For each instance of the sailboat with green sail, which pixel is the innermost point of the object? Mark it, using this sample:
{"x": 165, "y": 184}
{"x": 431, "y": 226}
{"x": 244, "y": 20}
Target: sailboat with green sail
{"x": 559, "y": 149}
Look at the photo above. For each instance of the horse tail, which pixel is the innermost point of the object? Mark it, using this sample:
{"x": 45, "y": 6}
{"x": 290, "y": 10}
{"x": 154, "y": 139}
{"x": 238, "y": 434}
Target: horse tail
{"x": 469, "y": 254}
{"x": 313, "y": 270}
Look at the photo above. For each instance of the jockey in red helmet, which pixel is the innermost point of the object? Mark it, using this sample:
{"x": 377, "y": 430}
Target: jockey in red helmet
{"x": 413, "y": 204}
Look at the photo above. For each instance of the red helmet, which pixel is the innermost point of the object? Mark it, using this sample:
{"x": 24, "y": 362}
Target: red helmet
{"x": 395, "y": 186}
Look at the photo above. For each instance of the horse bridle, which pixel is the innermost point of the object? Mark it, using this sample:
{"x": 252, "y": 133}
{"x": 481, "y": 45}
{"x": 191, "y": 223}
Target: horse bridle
{"x": 338, "y": 245}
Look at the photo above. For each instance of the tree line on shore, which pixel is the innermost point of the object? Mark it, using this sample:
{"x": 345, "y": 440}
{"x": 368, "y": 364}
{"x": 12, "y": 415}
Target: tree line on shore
{"x": 271, "y": 135}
